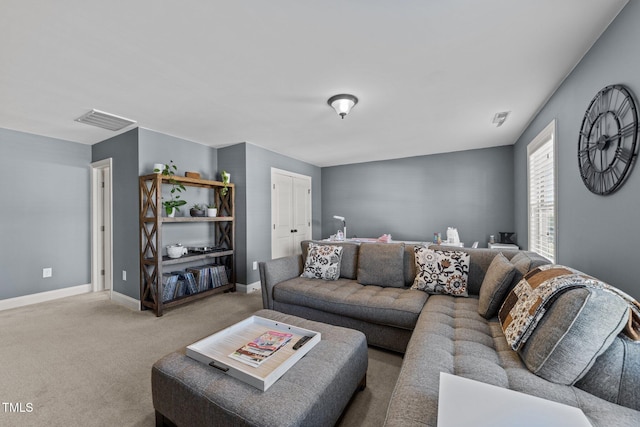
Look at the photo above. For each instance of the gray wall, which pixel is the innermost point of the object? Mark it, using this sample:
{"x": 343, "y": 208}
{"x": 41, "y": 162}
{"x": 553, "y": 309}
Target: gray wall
{"x": 187, "y": 156}
{"x": 596, "y": 234}
{"x": 134, "y": 154}
{"x": 45, "y": 217}
{"x": 412, "y": 198}
{"x": 250, "y": 168}
{"x": 233, "y": 160}
{"x": 123, "y": 149}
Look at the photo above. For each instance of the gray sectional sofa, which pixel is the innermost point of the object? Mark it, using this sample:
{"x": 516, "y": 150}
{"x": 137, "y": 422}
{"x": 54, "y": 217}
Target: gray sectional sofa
{"x": 597, "y": 373}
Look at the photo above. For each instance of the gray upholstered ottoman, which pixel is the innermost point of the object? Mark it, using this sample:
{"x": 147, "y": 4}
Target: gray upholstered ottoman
{"x": 314, "y": 392}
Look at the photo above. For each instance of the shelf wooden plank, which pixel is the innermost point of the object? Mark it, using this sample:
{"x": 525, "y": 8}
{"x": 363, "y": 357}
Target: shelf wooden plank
{"x": 194, "y": 257}
{"x": 197, "y": 219}
{"x": 194, "y": 182}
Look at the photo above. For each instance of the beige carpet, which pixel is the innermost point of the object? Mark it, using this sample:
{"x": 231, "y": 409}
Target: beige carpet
{"x": 85, "y": 361}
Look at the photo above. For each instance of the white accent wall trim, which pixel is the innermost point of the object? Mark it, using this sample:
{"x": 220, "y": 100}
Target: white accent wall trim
{"x": 125, "y": 300}
{"x": 16, "y": 302}
{"x": 251, "y": 287}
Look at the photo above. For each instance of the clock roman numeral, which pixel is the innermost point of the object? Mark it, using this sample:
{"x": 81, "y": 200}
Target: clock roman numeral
{"x": 628, "y": 130}
{"x": 623, "y": 154}
{"x": 605, "y": 98}
{"x": 587, "y": 172}
{"x": 623, "y": 108}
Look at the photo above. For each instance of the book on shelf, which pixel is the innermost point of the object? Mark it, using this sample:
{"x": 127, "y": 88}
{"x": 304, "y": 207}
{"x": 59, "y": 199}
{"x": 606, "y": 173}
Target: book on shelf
{"x": 169, "y": 283}
{"x": 202, "y": 274}
{"x": 219, "y": 276}
{"x": 257, "y": 351}
{"x": 187, "y": 284}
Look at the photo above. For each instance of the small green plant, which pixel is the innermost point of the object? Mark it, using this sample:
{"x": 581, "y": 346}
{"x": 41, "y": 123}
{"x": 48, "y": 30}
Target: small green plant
{"x": 211, "y": 206}
{"x": 176, "y": 188}
{"x": 197, "y": 206}
{"x": 225, "y": 180}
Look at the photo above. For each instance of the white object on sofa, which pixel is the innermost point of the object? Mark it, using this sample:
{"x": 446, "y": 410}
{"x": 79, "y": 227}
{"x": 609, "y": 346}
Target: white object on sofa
{"x": 499, "y": 407}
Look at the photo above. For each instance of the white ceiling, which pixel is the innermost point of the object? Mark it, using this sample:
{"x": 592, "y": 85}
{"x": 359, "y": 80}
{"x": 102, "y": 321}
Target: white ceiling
{"x": 430, "y": 74}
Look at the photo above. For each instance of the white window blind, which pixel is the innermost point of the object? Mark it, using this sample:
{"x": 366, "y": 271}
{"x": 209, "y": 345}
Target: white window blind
{"x": 542, "y": 194}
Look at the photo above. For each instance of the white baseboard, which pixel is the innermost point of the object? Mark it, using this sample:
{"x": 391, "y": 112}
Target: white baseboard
{"x": 16, "y": 302}
{"x": 251, "y": 287}
{"x": 125, "y": 300}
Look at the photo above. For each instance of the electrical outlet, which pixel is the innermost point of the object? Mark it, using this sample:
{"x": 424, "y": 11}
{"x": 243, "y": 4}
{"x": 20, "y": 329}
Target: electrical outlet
{"x": 255, "y": 265}
{"x": 47, "y": 272}
{"x": 124, "y": 275}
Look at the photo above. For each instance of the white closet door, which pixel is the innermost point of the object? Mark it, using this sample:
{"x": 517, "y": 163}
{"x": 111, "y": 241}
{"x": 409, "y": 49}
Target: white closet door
{"x": 301, "y": 205}
{"x": 290, "y": 212}
{"x": 282, "y": 215}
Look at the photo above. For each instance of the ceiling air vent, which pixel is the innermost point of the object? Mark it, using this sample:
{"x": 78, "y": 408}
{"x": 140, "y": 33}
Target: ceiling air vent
{"x": 500, "y": 118}
{"x": 104, "y": 120}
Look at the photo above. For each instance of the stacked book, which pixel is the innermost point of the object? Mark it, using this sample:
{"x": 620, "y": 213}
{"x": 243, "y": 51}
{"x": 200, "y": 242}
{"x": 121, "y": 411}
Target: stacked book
{"x": 219, "y": 276}
{"x": 169, "y": 285}
{"x": 202, "y": 274}
{"x": 195, "y": 279}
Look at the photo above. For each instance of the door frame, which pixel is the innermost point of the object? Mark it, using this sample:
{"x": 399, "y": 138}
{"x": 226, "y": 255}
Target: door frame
{"x": 97, "y": 168}
{"x": 275, "y": 171}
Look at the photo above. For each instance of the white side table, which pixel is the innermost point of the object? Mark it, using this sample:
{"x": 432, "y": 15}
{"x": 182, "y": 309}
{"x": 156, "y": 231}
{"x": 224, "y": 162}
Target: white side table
{"x": 503, "y": 246}
{"x": 486, "y": 405}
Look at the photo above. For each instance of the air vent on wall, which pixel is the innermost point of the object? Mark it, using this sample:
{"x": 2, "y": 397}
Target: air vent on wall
{"x": 105, "y": 120}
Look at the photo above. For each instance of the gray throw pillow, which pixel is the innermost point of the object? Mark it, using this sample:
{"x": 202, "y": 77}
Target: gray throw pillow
{"x": 381, "y": 264}
{"x": 495, "y": 286}
{"x": 578, "y": 327}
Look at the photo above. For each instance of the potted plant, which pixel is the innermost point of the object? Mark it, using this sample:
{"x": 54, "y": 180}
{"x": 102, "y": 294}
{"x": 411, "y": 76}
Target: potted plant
{"x": 211, "y": 210}
{"x": 197, "y": 210}
{"x": 173, "y": 204}
{"x": 226, "y": 176}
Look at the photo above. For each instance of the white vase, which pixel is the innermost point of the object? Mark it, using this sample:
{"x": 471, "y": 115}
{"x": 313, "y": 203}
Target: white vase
{"x": 212, "y": 212}
{"x": 172, "y": 214}
{"x": 158, "y": 166}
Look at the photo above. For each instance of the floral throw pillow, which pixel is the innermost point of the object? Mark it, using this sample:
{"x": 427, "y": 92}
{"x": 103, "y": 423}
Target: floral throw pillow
{"x": 323, "y": 262}
{"x": 441, "y": 272}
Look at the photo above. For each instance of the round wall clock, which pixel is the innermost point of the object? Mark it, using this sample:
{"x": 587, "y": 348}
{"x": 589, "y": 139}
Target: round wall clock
{"x": 608, "y": 140}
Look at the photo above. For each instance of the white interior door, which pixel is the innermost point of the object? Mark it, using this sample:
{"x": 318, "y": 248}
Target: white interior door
{"x": 301, "y": 206}
{"x": 290, "y": 212}
{"x": 281, "y": 216}
{"x": 101, "y": 236}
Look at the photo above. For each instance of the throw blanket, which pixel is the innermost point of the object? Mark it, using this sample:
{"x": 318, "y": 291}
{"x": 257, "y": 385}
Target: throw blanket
{"x": 529, "y": 300}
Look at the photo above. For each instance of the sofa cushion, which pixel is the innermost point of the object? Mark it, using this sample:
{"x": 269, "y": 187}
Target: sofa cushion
{"x": 614, "y": 376}
{"x": 323, "y": 262}
{"x": 349, "y": 261}
{"x": 524, "y": 262}
{"x": 441, "y": 272}
{"x": 381, "y": 264}
{"x": 577, "y": 328}
{"x": 409, "y": 264}
{"x": 398, "y": 307}
{"x": 450, "y": 336}
{"x": 495, "y": 286}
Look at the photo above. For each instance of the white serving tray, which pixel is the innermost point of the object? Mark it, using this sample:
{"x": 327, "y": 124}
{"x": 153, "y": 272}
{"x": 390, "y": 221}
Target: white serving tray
{"x": 215, "y": 350}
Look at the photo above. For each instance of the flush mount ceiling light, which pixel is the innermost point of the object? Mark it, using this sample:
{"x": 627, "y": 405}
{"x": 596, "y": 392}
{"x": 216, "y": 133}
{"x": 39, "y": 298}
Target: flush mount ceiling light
{"x": 500, "y": 118}
{"x": 104, "y": 120}
{"x": 342, "y": 103}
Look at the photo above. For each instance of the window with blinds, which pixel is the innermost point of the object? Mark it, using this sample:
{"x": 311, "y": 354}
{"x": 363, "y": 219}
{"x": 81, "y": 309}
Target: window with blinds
{"x": 542, "y": 193}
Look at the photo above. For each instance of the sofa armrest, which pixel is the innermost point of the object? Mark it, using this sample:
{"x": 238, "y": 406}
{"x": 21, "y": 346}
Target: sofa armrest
{"x": 275, "y": 271}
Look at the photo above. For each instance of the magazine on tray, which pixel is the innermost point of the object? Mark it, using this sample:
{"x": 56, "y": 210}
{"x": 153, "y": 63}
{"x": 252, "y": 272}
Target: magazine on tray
{"x": 258, "y": 350}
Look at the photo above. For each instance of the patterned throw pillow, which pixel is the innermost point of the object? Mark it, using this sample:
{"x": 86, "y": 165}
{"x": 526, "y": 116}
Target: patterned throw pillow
{"x": 441, "y": 272}
{"x": 323, "y": 262}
